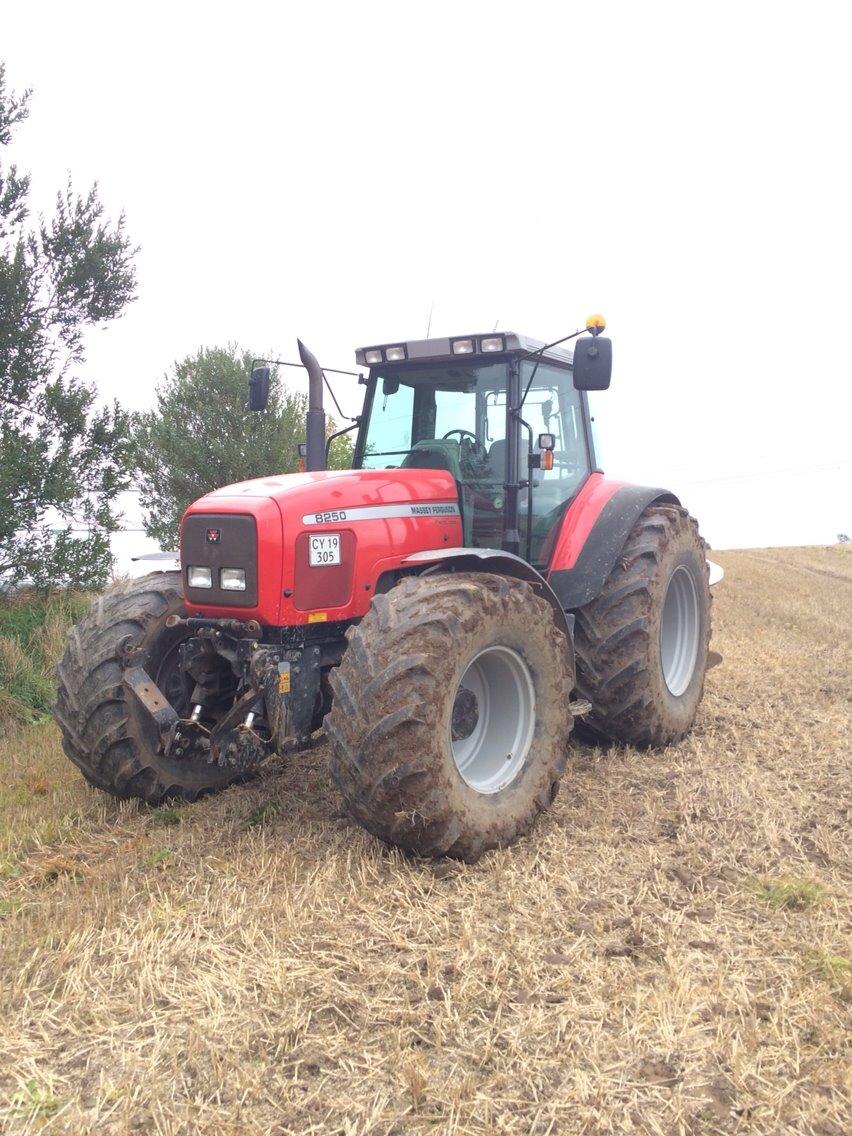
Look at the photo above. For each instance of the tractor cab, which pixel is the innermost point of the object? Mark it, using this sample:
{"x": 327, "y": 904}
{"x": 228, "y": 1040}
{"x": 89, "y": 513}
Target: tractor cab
{"x": 501, "y": 413}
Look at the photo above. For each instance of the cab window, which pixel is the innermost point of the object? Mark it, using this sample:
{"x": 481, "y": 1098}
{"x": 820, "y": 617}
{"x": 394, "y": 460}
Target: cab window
{"x": 552, "y": 406}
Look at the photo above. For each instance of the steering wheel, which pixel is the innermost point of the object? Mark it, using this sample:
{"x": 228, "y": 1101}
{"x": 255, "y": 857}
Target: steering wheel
{"x": 472, "y": 453}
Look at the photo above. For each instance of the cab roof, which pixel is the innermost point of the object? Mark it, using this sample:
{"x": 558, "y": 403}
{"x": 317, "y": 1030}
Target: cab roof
{"x": 447, "y": 347}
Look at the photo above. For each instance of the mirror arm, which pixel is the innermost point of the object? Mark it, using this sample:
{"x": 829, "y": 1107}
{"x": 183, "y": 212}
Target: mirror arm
{"x": 356, "y": 422}
{"x": 540, "y": 353}
{"x": 331, "y": 370}
{"x": 334, "y": 399}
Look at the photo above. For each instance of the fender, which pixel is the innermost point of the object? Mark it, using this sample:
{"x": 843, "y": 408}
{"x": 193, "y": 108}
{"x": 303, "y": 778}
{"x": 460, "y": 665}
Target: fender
{"x": 503, "y": 564}
{"x": 593, "y": 533}
{"x": 175, "y": 556}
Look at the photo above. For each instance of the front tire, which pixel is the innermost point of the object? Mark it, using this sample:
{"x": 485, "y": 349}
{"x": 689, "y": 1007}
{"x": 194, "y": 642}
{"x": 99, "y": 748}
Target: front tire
{"x": 450, "y": 721}
{"x": 641, "y": 645}
{"x": 103, "y": 730}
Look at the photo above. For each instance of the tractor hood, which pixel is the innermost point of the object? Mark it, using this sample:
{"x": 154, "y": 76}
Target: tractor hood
{"x": 312, "y": 546}
{"x": 340, "y": 488}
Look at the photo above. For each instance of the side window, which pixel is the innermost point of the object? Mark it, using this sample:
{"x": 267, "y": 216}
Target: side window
{"x": 390, "y": 427}
{"x": 553, "y": 406}
{"x": 593, "y": 426}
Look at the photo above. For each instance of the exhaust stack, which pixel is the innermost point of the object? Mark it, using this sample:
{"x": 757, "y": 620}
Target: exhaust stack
{"x": 315, "y": 456}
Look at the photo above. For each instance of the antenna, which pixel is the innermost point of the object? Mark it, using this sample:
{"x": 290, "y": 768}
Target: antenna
{"x": 429, "y": 321}
{"x": 496, "y": 325}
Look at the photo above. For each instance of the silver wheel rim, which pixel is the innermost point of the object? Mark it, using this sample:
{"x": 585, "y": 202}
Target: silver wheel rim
{"x": 493, "y": 719}
{"x": 679, "y": 631}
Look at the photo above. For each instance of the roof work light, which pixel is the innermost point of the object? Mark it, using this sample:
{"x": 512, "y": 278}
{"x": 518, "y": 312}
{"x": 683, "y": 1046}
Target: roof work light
{"x": 463, "y": 347}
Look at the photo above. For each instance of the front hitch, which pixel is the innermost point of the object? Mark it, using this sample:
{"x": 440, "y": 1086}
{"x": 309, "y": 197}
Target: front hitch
{"x": 232, "y": 741}
{"x": 282, "y": 688}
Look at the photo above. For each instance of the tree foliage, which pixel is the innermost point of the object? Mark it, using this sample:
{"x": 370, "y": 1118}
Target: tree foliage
{"x": 202, "y": 436}
{"x": 63, "y": 459}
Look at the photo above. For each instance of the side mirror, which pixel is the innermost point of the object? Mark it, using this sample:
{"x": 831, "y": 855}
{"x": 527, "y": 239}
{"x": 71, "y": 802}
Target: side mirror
{"x": 258, "y": 388}
{"x": 592, "y": 363}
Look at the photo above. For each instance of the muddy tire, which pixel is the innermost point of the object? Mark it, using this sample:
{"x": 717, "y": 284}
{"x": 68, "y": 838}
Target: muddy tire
{"x": 103, "y": 730}
{"x": 641, "y": 645}
{"x": 434, "y": 764}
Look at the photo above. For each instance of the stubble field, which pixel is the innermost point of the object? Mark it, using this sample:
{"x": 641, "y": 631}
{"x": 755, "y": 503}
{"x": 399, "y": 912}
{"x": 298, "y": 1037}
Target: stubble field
{"x": 668, "y": 953}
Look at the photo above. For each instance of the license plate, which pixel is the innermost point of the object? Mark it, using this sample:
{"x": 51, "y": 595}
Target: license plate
{"x": 324, "y": 550}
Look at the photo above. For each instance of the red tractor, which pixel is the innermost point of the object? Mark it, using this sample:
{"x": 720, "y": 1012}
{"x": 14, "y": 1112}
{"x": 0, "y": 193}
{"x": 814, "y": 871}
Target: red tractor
{"x": 435, "y": 608}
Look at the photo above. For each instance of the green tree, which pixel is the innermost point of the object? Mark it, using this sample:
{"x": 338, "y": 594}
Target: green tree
{"x": 202, "y": 436}
{"x": 63, "y": 459}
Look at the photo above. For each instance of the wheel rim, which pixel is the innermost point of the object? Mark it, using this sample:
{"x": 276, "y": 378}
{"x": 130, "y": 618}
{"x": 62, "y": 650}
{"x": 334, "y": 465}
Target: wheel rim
{"x": 493, "y": 719}
{"x": 679, "y": 631}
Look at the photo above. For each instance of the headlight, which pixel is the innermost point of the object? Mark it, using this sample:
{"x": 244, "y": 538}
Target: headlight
{"x": 394, "y": 354}
{"x": 232, "y": 579}
{"x": 374, "y": 356}
{"x": 199, "y": 577}
{"x": 462, "y": 346}
{"x": 492, "y": 343}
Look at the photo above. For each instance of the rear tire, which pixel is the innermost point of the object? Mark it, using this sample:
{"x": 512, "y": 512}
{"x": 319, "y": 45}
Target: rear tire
{"x": 641, "y": 645}
{"x": 417, "y": 754}
{"x": 103, "y": 730}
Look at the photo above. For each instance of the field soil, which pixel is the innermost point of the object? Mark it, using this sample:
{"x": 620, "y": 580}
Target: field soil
{"x": 667, "y": 953}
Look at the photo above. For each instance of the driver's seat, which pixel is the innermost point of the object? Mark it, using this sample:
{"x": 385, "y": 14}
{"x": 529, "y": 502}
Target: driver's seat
{"x": 497, "y": 458}
{"x": 434, "y": 453}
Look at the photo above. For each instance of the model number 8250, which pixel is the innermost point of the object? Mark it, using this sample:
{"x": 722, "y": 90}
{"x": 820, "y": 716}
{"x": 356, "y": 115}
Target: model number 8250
{"x": 329, "y": 518}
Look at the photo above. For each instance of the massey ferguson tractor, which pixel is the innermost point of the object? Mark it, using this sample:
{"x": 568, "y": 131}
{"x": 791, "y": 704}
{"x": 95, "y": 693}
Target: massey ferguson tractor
{"x": 445, "y": 609}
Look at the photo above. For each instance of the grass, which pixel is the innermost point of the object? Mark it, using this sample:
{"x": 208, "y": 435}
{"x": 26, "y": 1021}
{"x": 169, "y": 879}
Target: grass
{"x": 34, "y": 1100}
{"x": 790, "y": 894}
{"x": 835, "y": 968}
{"x": 32, "y": 637}
{"x": 260, "y": 814}
{"x": 668, "y": 952}
{"x": 166, "y": 817}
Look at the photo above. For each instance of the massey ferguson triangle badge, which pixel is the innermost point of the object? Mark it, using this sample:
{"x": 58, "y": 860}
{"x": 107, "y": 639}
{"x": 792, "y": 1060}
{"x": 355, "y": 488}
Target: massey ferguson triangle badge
{"x": 213, "y": 536}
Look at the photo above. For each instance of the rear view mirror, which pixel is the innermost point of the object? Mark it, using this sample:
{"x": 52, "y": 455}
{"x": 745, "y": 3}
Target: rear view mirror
{"x": 258, "y": 388}
{"x": 390, "y": 386}
{"x": 592, "y": 363}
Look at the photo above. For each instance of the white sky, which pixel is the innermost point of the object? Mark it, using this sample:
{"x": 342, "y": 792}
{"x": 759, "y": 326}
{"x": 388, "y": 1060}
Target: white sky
{"x": 332, "y": 172}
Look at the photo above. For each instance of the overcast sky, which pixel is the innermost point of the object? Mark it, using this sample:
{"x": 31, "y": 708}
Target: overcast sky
{"x": 335, "y": 171}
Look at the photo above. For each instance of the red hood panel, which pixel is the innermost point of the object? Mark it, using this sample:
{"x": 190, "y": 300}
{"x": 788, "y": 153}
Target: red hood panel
{"x": 339, "y": 489}
{"x": 367, "y": 507}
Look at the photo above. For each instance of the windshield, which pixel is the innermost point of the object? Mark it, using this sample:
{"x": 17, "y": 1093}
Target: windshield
{"x": 452, "y": 416}
{"x": 436, "y": 417}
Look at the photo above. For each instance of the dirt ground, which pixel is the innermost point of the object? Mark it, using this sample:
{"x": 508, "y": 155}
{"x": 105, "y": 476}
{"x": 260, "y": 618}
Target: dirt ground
{"x": 668, "y": 953}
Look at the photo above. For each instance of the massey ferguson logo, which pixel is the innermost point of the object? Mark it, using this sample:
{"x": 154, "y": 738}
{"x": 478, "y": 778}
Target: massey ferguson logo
{"x": 213, "y": 536}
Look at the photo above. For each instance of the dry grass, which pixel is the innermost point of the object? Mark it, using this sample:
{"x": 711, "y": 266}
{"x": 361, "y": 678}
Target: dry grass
{"x": 668, "y": 954}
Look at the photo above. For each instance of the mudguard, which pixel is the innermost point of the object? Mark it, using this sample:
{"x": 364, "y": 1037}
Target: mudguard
{"x": 503, "y": 564}
{"x": 594, "y": 531}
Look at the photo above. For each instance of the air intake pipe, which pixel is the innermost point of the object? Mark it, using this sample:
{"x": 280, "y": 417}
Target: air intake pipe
{"x": 315, "y": 455}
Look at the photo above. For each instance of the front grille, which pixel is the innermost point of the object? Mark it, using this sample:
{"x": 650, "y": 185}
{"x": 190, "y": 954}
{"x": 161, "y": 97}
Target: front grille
{"x": 216, "y": 541}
